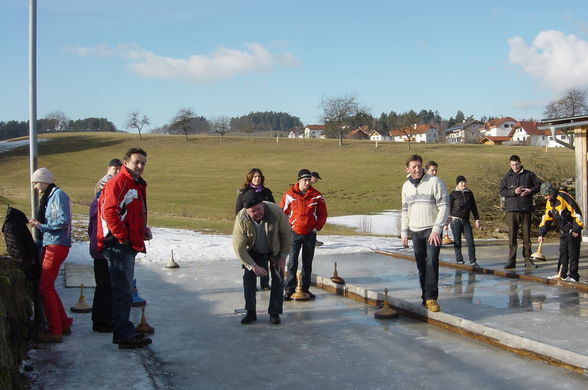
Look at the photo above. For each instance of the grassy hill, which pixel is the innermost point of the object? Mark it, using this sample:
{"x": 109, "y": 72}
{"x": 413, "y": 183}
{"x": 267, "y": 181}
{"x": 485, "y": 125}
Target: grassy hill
{"x": 192, "y": 184}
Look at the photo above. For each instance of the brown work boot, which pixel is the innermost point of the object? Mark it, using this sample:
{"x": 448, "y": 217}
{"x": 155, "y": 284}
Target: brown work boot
{"x": 46, "y": 337}
{"x": 431, "y": 305}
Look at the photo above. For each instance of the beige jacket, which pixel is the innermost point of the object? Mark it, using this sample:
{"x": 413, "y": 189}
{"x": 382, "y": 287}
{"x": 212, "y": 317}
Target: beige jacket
{"x": 278, "y": 233}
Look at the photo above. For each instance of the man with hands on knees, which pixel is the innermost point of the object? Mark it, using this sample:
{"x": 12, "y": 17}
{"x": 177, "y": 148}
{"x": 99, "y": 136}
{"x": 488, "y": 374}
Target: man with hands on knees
{"x": 262, "y": 239}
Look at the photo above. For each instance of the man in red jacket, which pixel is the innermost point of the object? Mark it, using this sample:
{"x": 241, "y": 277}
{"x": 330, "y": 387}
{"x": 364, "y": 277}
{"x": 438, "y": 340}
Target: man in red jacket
{"x": 307, "y": 213}
{"x": 121, "y": 231}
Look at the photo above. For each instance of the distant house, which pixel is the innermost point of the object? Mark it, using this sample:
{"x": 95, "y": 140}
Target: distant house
{"x": 490, "y": 140}
{"x": 314, "y": 131}
{"x": 361, "y": 132}
{"x": 499, "y": 127}
{"x": 529, "y": 133}
{"x": 421, "y": 133}
{"x": 377, "y": 136}
{"x": 464, "y": 133}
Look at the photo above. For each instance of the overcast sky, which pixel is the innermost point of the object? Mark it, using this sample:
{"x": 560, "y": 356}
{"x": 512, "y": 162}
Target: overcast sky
{"x": 107, "y": 57}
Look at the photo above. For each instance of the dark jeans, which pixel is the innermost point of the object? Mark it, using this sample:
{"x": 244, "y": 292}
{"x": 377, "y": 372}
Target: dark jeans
{"x": 307, "y": 243}
{"x": 427, "y": 260}
{"x": 102, "y": 303}
{"x": 516, "y": 219}
{"x": 459, "y": 226}
{"x": 121, "y": 259}
{"x": 277, "y": 286}
{"x": 569, "y": 256}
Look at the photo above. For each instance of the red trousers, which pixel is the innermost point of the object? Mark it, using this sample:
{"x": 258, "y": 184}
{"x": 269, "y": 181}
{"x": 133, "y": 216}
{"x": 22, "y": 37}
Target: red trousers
{"x": 57, "y": 320}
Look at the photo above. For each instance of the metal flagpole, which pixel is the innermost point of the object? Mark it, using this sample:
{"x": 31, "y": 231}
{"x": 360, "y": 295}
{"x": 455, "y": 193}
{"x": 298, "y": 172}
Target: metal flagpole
{"x": 33, "y": 101}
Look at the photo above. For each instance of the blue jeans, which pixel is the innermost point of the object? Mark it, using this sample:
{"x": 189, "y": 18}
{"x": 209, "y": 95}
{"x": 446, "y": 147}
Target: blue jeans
{"x": 459, "y": 226}
{"x": 307, "y": 243}
{"x": 427, "y": 259}
{"x": 277, "y": 287}
{"x": 121, "y": 259}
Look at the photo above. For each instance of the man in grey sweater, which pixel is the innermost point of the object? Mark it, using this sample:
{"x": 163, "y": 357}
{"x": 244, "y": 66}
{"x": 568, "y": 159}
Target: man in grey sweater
{"x": 424, "y": 212}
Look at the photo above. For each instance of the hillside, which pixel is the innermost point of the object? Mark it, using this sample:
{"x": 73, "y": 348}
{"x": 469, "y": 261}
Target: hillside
{"x": 193, "y": 184}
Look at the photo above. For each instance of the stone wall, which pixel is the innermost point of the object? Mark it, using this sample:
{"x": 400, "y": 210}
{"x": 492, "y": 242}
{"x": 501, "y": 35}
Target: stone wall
{"x": 15, "y": 322}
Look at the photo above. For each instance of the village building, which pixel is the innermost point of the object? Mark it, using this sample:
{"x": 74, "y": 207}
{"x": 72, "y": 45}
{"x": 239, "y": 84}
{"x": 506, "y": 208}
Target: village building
{"x": 467, "y": 132}
{"x": 416, "y": 133}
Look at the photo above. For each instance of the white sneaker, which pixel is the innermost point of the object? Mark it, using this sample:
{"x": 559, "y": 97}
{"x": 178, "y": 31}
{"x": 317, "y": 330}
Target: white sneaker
{"x": 554, "y": 277}
{"x": 570, "y": 279}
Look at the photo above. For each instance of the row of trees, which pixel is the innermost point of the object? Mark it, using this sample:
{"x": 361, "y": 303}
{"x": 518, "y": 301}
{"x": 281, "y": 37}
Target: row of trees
{"x": 340, "y": 114}
{"x": 53, "y": 123}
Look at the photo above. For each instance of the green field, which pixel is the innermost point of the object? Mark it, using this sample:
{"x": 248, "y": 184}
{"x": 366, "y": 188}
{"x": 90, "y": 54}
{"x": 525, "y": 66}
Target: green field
{"x": 193, "y": 184}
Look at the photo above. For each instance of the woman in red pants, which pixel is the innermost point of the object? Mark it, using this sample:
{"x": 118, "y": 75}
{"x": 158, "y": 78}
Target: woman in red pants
{"x": 54, "y": 223}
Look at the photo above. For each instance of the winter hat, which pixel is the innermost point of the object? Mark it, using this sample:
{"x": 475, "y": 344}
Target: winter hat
{"x": 42, "y": 175}
{"x": 459, "y": 179}
{"x": 547, "y": 189}
{"x": 251, "y": 198}
{"x": 304, "y": 174}
{"x": 316, "y": 174}
{"x": 115, "y": 162}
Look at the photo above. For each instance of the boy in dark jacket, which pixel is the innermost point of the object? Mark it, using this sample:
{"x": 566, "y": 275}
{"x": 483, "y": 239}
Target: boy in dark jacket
{"x": 461, "y": 204}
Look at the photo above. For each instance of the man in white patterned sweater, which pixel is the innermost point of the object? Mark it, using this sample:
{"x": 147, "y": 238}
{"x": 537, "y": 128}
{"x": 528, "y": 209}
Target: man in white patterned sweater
{"x": 425, "y": 207}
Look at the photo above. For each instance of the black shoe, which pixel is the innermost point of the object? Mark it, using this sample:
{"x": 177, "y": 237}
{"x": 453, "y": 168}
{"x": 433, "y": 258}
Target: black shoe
{"x": 460, "y": 262}
{"x": 103, "y": 328}
{"x": 249, "y": 317}
{"x": 288, "y": 296}
{"x": 275, "y": 319}
{"x": 319, "y": 243}
{"x": 529, "y": 264}
{"x": 265, "y": 288}
{"x": 134, "y": 342}
{"x": 475, "y": 265}
{"x": 510, "y": 266}
{"x": 136, "y": 335}
{"x": 310, "y": 295}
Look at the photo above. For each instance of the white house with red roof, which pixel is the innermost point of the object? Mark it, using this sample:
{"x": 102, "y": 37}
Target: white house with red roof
{"x": 416, "y": 133}
{"x": 499, "y": 127}
{"x": 529, "y": 133}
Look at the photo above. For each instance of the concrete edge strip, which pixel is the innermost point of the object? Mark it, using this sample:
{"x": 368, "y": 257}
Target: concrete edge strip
{"x": 523, "y": 346}
{"x": 488, "y": 271}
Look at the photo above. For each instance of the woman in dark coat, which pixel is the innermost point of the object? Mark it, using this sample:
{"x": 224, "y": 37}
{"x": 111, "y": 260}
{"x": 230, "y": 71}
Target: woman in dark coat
{"x": 254, "y": 182}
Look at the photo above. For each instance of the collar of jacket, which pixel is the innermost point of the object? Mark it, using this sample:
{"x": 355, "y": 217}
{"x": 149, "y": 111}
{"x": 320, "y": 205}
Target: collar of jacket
{"x": 125, "y": 171}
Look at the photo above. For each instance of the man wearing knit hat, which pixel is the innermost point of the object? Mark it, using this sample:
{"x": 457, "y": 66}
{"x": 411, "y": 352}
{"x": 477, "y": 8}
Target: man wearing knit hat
{"x": 562, "y": 209}
{"x": 307, "y": 213}
{"x": 262, "y": 235}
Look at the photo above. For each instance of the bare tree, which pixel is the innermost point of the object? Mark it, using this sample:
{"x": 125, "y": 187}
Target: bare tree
{"x": 133, "y": 122}
{"x": 245, "y": 125}
{"x": 183, "y": 120}
{"x": 573, "y": 103}
{"x": 337, "y": 112}
{"x": 221, "y": 125}
{"x": 56, "y": 121}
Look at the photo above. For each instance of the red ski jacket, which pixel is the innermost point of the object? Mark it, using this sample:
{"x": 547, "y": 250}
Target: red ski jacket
{"x": 305, "y": 212}
{"x": 122, "y": 211}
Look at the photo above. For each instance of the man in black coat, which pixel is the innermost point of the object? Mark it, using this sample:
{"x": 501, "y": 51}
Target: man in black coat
{"x": 518, "y": 187}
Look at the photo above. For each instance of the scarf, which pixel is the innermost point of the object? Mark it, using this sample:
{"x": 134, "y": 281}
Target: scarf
{"x": 256, "y": 188}
{"x": 43, "y": 203}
